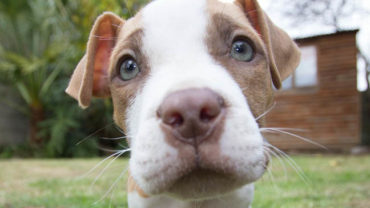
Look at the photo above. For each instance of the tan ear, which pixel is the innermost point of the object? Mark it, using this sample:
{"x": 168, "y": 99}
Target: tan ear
{"x": 90, "y": 78}
{"x": 283, "y": 53}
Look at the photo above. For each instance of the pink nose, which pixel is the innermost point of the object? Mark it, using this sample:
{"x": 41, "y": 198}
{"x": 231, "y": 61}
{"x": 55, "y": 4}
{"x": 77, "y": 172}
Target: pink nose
{"x": 192, "y": 114}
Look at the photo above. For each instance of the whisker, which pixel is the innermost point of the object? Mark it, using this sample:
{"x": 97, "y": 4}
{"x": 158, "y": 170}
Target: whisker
{"x": 269, "y": 150}
{"x": 266, "y": 112}
{"x": 119, "y": 129}
{"x": 268, "y": 169}
{"x": 112, "y": 186}
{"x": 286, "y": 129}
{"x": 292, "y": 163}
{"x": 108, "y": 150}
{"x": 294, "y": 135}
{"x": 124, "y": 147}
{"x": 94, "y": 133}
{"x": 97, "y": 165}
{"x": 107, "y": 166}
{"x": 114, "y": 138}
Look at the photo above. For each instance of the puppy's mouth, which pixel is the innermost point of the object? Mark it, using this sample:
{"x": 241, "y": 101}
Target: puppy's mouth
{"x": 208, "y": 179}
{"x": 203, "y": 183}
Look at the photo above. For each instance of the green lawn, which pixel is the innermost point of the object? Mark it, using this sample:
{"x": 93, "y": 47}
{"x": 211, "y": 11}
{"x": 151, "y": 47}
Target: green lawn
{"x": 332, "y": 181}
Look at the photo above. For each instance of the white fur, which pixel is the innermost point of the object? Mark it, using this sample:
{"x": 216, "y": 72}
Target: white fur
{"x": 227, "y": 1}
{"x": 241, "y": 198}
{"x": 179, "y": 59}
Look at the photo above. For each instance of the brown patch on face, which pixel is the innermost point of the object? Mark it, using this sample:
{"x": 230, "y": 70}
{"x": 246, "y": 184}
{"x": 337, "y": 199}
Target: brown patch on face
{"x": 128, "y": 45}
{"x": 133, "y": 187}
{"x": 228, "y": 22}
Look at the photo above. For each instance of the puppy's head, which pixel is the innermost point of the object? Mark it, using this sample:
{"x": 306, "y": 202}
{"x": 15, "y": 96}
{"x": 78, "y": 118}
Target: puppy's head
{"x": 188, "y": 78}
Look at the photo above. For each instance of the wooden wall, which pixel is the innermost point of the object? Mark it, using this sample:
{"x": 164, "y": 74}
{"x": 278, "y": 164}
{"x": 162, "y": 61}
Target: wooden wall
{"x": 329, "y": 112}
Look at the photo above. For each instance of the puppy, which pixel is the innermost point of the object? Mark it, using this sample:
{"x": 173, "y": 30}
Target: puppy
{"x": 188, "y": 80}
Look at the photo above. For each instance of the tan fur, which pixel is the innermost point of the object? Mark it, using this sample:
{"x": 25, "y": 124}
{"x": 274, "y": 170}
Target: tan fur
{"x": 283, "y": 53}
{"x": 129, "y": 42}
{"x": 271, "y": 43}
{"x": 125, "y": 36}
{"x": 253, "y": 77}
{"x": 133, "y": 187}
{"x": 90, "y": 77}
{"x": 111, "y": 37}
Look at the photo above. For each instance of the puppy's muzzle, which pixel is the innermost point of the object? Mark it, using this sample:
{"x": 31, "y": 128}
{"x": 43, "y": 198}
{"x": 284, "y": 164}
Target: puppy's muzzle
{"x": 192, "y": 115}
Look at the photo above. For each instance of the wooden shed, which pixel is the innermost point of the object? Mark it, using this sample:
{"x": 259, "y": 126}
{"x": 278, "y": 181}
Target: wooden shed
{"x": 320, "y": 99}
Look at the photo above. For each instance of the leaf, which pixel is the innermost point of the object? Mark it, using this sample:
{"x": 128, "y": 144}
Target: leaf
{"x": 49, "y": 81}
{"x": 24, "y": 92}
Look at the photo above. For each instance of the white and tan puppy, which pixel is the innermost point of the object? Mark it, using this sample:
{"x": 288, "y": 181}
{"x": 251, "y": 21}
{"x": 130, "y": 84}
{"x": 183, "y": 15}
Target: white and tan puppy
{"x": 188, "y": 78}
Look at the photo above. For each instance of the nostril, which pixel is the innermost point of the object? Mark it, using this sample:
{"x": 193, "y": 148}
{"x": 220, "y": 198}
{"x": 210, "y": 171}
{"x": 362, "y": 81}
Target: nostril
{"x": 207, "y": 114}
{"x": 173, "y": 119}
{"x": 221, "y": 102}
{"x": 211, "y": 109}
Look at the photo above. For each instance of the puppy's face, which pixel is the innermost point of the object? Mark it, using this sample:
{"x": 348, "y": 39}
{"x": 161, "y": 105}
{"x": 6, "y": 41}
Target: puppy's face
{"x": 188, "y": 78}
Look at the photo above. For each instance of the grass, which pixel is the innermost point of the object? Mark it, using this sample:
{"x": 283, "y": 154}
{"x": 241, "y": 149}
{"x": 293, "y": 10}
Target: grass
{"x": 332, "y": 182}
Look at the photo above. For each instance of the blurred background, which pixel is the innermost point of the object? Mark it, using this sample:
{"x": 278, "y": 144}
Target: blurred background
{"x": 324, "y": 107}
{"x": 41, "y": 41}
{"x": 40, "y": 44}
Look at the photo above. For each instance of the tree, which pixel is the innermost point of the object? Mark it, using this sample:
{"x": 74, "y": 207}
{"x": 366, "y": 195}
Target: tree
{"x": 41, "y": 41}
{"x": 33, "y": 53}
{"x": 328, "y": 12}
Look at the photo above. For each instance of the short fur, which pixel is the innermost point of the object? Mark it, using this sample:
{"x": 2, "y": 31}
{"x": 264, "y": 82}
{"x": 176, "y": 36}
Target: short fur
{"x": 183, "y": 45}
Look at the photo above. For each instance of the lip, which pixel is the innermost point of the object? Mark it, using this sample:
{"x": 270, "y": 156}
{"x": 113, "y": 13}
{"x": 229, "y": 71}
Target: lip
{"x": 203, "y": 183}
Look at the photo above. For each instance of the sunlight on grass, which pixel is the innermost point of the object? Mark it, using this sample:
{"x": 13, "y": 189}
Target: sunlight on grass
{"x": 60, "y": 183}
{"x": 332, "y": 181}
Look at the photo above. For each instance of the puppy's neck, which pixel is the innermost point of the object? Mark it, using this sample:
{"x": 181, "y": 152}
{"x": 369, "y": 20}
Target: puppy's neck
{"x": 241, "y": 198}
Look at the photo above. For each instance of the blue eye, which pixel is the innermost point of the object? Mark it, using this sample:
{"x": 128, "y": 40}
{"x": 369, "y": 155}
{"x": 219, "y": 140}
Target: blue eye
{"x": 128, "y": 69}
{"x": 242, "y": 51}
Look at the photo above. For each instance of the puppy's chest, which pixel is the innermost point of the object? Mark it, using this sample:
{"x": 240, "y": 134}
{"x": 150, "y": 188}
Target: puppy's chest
{"x": 162, "y": 201}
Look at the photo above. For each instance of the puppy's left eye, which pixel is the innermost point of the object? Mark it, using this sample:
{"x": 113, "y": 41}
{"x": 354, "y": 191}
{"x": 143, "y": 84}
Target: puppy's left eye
{"x": 128, "y": 69}
{"x": 242, "y": 51}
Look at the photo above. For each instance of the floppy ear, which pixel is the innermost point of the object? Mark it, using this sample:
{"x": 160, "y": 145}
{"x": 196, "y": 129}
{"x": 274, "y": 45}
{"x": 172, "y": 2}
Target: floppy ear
{"x": 283, "y": 53}
{"x": 90, "y": 78}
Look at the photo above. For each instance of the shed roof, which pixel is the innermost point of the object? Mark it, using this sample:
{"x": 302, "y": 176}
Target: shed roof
{"x": 310, "y": 37}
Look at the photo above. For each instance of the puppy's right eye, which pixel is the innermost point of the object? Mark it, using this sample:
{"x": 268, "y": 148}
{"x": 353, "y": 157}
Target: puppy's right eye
{"x": 242, "y": 50}
{"x": 128, "y": 69}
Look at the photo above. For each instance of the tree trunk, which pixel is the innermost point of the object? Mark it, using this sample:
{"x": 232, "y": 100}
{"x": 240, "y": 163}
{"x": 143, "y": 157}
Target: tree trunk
{"x": 37, "y": 115}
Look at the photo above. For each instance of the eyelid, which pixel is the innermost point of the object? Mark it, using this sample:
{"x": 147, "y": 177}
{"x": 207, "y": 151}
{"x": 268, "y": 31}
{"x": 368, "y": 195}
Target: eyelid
{"x": 244, "y": 39}
{"x": 125, "y": 53}
{"x": 236, "y": 34}
{"x": 119, "y": 58}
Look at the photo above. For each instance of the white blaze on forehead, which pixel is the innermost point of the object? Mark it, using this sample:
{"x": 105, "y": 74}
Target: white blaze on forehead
{"x": 227, "y": 1}
{"x": 174, "y": 30}
{"x": 174, "y": 42}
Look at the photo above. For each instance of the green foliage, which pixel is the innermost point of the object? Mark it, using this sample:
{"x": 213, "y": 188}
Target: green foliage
{"x": 31, "y": 55}
{"x": 41, "y": 41}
